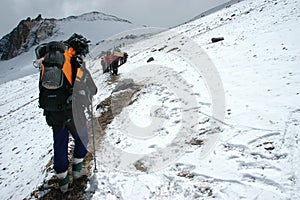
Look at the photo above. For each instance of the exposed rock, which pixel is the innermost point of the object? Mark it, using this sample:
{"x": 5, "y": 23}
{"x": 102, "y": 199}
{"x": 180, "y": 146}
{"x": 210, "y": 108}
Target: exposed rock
{"x": 150, "y": 59}
{"x": 173, "y": 49}
{"x": 123, "y": 85}
{"x": 140, "y": 166}
{"x": 217, "y": 39}
{"x": 195, "y": 141}
{"x": 39, "y": 17}
{"x": 29, "y": 32}
{"x": 162, "y": 48}
{"x": 122, "y": 95}
{"x": 186, "y": 174}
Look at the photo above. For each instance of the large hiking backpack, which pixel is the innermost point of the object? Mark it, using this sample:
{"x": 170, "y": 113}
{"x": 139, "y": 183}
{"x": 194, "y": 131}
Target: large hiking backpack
{"x": 54, "y": 86}
{"x": 59, "y": 63}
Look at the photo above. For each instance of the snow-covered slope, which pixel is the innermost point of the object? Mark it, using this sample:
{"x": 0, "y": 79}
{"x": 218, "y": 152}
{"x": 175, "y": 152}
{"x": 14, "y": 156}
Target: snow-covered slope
{"x": 256, "y": 151}
{"x": 257, "y": 154}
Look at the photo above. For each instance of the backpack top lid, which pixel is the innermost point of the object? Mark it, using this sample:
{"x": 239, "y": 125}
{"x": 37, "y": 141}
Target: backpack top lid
{"x": 55, "y": 54}
{"x": 56, "y": 46}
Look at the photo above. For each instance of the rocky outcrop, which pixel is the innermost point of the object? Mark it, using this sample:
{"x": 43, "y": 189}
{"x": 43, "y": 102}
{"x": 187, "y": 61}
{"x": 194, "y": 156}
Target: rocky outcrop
{"x": 29, "y": 32}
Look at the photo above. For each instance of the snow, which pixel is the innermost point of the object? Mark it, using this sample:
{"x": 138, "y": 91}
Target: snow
{"x": 250, "y": 151}
{"x": 26, "y": 139}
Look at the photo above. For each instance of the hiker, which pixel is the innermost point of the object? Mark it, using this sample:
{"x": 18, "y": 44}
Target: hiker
{"x": 62, "y": 69}
{"x": 111, "y": 59}
{"x": 124, "y": 59}
{"x": 114, "y": 65}
{"x": 117, "y": 59}
{"x": 105, "y": 62}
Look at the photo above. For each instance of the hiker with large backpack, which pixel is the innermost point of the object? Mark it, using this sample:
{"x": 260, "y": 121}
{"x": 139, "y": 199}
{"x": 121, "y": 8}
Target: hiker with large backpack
{"x": 64, "y": 81}
{"x": 117, "y": 59}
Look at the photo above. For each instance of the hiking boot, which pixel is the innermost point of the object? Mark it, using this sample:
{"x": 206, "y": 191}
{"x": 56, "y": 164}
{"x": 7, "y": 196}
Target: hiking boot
{"x": 63, "y": 181}
{"x": 78, "y": 170}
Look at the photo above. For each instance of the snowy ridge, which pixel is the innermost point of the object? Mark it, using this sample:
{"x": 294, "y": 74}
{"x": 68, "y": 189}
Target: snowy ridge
{"x": 215, "y": 9}
{"x": 94, "y": 16}
{"x": 257, "y": 154}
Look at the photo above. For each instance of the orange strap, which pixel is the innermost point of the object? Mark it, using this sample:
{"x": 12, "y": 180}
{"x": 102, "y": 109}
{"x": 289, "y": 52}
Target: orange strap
{"x": 67, "y": 68}
{"x": 42, "y": 72}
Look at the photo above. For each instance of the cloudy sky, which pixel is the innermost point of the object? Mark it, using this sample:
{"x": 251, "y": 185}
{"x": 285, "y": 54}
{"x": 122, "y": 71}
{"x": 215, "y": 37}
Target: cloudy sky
{"x": 159, "y": 13}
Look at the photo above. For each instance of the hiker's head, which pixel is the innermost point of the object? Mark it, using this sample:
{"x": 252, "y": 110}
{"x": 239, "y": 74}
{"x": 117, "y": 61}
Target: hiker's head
{"x": 79, "y": 44}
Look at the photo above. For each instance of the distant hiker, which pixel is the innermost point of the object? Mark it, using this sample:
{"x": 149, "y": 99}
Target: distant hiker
{"x": 111, "y": 58}
{"x": 110, "y": 62}
{"x": 105, "y": 62}
{"x": 117, "y": 59}
{"x": 114, "y": 66}
{"x": 125, "y": 58}
{"x": 62, "y": 70}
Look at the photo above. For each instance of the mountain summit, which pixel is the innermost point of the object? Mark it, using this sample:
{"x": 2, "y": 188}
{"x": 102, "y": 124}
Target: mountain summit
{"x": 94, "y": 16}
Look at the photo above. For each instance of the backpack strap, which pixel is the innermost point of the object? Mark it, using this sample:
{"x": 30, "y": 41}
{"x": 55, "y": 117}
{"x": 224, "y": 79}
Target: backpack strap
{"x": 67, "y": 67}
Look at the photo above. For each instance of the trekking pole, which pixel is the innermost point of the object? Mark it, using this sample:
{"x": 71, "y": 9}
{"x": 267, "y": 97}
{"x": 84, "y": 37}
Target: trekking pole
{"x": 93, "y": 132}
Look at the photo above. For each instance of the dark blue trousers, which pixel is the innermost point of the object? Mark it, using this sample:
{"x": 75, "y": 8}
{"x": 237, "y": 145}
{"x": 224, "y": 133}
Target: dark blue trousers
{"x": 61, "y": 140}
{"x": 76, "y": 125}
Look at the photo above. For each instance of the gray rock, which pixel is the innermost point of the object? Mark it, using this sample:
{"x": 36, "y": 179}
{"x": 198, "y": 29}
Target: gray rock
{"x": 124, "y": 85}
